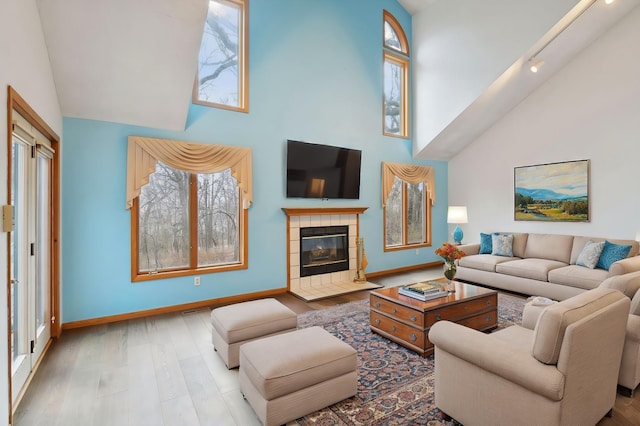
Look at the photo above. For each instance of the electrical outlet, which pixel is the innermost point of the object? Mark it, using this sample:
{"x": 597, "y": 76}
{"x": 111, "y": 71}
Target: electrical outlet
{"x": 196, "y": 281}
{"x": 417, "y": 252}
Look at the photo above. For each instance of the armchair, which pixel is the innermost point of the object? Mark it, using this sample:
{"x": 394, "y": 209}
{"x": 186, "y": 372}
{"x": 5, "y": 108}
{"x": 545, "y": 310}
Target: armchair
{"x": 555, "y": 374}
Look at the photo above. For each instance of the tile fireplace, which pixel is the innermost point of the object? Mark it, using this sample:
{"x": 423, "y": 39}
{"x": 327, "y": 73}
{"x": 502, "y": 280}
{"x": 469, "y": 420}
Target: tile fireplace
{"x": 321, "y": 251}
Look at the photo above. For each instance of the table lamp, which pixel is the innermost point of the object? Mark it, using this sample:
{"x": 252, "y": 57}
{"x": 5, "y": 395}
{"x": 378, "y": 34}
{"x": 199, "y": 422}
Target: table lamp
{"x": 457, "y": 215}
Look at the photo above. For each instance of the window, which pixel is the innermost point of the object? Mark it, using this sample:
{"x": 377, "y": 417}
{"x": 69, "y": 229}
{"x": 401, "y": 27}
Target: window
{"x": 222, "y": 63}
{"x": 408, "y": 193}
{"x": 189, "y": 209}
{"x": 396, "y": 79}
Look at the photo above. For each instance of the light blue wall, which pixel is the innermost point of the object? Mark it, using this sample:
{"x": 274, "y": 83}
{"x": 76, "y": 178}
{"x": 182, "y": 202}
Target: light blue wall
{"x": 315, "y": 75}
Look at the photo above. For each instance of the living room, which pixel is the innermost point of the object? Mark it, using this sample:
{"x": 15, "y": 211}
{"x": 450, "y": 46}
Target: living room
{"x": 305, "y": 58}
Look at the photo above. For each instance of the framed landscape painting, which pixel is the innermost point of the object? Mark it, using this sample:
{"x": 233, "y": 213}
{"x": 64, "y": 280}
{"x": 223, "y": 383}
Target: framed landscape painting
{"x": 552, "y": 192}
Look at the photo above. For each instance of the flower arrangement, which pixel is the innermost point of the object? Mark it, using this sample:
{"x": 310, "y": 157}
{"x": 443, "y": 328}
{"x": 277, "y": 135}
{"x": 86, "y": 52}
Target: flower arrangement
{"x": 449, "y": 253}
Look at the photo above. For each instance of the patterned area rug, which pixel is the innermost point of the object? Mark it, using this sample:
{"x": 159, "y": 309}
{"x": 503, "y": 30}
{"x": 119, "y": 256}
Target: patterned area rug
{"x": 395, "y": 385}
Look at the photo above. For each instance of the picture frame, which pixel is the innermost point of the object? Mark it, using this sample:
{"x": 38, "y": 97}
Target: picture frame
{"x": 552, "y": 192}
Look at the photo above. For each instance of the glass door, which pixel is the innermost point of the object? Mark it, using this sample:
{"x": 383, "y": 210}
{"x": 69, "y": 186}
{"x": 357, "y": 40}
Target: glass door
{"x": 19, "y": 265}
{"x": 30, "y": 255}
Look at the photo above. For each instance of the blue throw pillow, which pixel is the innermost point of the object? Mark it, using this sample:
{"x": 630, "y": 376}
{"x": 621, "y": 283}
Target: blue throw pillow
{"x": 611, "y": 253}
{"x": 485, "y": 243}
{"x": 502, "y": 244}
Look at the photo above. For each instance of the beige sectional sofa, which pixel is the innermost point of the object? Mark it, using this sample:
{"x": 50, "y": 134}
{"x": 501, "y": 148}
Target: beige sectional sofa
{"x": 545, "y": 265}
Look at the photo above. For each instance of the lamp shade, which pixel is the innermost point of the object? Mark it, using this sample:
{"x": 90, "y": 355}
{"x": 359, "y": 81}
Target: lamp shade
{"x": 457, "y": 214}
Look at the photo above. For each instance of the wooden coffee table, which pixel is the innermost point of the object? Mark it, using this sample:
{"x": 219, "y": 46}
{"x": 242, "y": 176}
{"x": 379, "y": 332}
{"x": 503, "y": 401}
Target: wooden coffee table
{"x": 407, "y": 321}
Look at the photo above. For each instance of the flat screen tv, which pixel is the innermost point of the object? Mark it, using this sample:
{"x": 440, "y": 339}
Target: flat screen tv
{"x": 322, "y": 171}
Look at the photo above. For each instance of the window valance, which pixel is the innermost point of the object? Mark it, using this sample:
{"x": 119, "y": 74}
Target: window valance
{"x": 144, "y": 153}
{"x": 409, "y": 173}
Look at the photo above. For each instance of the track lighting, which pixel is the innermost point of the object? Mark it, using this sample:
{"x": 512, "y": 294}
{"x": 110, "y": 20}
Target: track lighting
{"x": 535, "y": 64}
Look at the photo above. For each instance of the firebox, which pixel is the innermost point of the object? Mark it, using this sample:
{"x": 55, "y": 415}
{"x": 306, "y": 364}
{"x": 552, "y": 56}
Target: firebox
{"x": 324, "y": 249}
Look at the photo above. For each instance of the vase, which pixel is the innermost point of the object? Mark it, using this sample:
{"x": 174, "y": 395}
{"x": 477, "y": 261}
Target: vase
{"x": 450, "y": 273}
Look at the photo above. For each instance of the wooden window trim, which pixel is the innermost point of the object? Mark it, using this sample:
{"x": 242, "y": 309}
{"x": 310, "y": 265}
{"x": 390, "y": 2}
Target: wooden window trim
{"x": 404, "y": 64}
{"x": 243, "y": 65}
{"x": 427, "y": 224}
{"x": 387, "y": 17}
{"x": 193, "y": 269}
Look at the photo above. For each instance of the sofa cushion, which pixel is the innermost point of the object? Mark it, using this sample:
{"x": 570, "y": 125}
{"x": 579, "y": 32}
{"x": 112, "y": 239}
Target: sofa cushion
{"x": 611, "y": 254}
{"x": 483, "y": 262}
{"x": 535, "y": 269}
{"x": 553, "y": 321}
{"x": 578, "y": 276}
{"x": 590, "y": 254}
{"x": 549, "y": 246}
{"x": 502, "y": 245}
{"x": 485, "y": 244}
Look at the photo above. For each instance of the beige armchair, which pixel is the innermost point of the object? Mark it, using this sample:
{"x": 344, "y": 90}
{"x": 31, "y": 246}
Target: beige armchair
{"x": 563, "y": 372}
{"x": 629, "y": 376}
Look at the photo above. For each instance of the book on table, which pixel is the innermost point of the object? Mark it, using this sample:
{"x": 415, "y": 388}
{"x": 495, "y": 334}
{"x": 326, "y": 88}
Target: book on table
{"x": 423, "y": 290}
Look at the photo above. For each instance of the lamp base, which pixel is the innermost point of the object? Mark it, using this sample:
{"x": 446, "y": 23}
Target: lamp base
{"x": 457, "y": 235}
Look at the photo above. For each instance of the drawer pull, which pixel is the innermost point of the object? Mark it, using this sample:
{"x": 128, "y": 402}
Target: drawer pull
{"x": 394, "y": 310}
{"x": 488, "y": 302}
{"x": 413, "y": 337}
{"x": 377, "y": 321}
{"x": 414, "y": 318}
{"x": 377, "y": 304}
{"x": 393, "y": 328}
{"x": 438, "y": 317}
{"x": 488, "y": 318}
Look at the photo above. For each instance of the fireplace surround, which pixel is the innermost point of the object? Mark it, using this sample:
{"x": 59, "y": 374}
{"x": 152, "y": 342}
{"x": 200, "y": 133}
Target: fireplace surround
{"x": 323, "y": 283}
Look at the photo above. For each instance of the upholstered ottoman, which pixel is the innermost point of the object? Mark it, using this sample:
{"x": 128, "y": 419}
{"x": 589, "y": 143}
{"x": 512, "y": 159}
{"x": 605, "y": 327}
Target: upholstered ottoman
{"x": 239, "y": 323}
{"x": 287, "y": 376}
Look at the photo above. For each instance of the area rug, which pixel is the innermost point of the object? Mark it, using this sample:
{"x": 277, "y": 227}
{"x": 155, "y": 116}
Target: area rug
{"x": 395, "y": 385}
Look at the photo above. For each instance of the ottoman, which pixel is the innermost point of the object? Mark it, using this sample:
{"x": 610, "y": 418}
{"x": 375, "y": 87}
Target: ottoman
{"x": 287, "y": 376}
{"x": 239, "y": 323}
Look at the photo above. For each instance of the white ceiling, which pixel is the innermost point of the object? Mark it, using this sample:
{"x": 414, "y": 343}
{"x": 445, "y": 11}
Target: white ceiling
{"x": 125, "y": 61}
{"x": 415, "y": 6}
{"x": 517, "y": 82}
{"x": 134, "y": 62}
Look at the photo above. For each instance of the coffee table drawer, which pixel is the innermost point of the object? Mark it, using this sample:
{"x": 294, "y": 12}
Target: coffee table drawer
{"x": 461, "y": 310}
{"x": 400, "y": 312}
{"x": 481, "y": 321}
{"x": 397, "y": 329}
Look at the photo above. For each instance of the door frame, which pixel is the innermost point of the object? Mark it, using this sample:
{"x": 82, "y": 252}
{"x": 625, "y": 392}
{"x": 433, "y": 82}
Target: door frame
{"x": 15, "y": 101}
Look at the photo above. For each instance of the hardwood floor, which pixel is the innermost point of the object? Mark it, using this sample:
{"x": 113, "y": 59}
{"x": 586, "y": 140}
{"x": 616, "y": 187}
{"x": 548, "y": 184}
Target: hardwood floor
{"x": 162, "y": 371}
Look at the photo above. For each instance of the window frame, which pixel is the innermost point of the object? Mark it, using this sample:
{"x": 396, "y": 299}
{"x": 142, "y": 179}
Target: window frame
{"x": 192, "y": 269}
{"x": 243, "y": 63}
{"x": 408, "y": 174}
{"x": 405, "y": 225}
{"x": 401, "y": 58}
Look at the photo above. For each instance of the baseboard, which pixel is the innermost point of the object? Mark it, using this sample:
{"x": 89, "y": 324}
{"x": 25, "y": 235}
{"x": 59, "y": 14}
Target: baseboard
{"x": 175, "y": 308}
{"x": 411, "y": 268}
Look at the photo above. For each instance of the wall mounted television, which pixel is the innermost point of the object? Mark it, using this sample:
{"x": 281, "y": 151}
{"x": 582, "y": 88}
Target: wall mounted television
{"x": 322, "y": 171}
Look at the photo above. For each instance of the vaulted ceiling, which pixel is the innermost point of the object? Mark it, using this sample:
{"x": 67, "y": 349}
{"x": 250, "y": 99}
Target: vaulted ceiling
{"x": 134, "y": 62}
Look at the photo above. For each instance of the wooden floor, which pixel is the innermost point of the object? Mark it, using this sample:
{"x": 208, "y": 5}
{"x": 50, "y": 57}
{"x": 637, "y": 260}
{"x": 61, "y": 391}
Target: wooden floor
{"x": 162, "y": 371}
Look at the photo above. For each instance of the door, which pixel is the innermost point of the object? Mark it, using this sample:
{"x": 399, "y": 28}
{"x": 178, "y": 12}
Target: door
{"x": 30, "y": 254}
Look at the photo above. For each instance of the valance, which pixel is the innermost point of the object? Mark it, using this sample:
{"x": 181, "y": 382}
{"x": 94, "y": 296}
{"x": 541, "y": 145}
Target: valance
{"x": 409, "y": 173}
{"x": 144, "y": 153}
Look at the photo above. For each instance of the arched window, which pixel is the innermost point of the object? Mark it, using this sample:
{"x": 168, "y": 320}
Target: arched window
{"x": 396, "y": 78}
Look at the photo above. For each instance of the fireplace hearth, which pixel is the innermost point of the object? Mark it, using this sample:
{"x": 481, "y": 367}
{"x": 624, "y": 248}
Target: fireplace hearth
{"x": 324, "y": 249}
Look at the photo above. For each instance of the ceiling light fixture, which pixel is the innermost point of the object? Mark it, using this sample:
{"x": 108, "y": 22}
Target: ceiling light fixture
{"x": 535, "y": 64}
